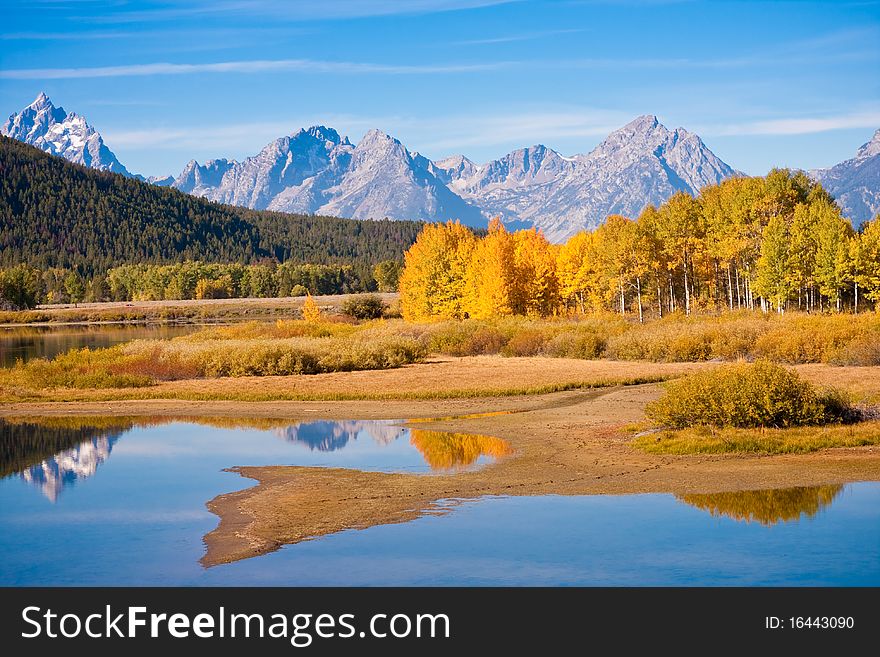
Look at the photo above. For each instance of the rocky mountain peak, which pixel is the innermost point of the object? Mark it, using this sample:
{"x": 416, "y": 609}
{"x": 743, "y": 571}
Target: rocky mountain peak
{"x": 871, "y": 147}
{"x": 70, "y": 136}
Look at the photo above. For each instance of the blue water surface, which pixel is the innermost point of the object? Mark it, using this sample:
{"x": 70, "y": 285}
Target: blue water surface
{"x": 128, "y": 508}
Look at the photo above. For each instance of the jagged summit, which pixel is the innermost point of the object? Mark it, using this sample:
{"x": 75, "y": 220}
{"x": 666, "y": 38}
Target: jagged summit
{"x": 855, "y": 183}
{"x": 53, "y": 130}
{"x": 317, "y": 170}
{"x": 871, "y": 147}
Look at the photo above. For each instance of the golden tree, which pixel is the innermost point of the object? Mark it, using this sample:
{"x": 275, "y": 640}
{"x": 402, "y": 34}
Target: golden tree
{"x": 310, "y": 310}
{"x": 536, "y": 287}
{"x": 432, "y": 285}
{"x": 491, "y": 275}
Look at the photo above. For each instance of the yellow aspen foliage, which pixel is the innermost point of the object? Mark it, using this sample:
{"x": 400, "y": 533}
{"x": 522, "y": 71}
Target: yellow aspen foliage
{"x": 432, "y": 284}
{"x": 576, "y": 271}
{"x": 867, "y": 273}
{"x": 310, "y": 310}
{"x": 536, "y": 291}
{"x": 490, "y": 289}
{"x": 774, "y": 242}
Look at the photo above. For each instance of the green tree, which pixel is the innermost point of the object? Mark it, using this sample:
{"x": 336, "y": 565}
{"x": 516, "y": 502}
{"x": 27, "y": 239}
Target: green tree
{"x": 832, "y": 252}
{"x": 773, "y": 280}
{"x": 387, "y": 275}
{"x": 20, "y": 287}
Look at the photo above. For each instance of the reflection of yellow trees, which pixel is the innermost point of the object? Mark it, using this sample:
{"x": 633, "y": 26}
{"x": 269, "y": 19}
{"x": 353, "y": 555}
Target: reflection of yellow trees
{"x": 447, "y": 451}
{"x": 766, "y": 506}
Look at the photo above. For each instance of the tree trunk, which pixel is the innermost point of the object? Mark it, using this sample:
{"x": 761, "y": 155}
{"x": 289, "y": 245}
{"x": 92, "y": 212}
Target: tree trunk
{"x": 622, "y": 300}
{"x": 639, "y": 292}
{"x": 659, "y": 301}
{"x": 856, "y": 291}
{"x": 729, "y": 287}
{"x": 738, "y": 291}
{"x": 687, "y": 292}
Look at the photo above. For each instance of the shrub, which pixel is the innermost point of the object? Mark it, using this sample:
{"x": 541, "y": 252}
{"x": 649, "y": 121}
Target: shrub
{"x": 528, "y": 342}
{"x": 576, "y": 344}
{"x": 364, "y": 306}
{"x": 744, "y": 395}
{"x": 863, "y": 350}
{"x": 310, "y": 311}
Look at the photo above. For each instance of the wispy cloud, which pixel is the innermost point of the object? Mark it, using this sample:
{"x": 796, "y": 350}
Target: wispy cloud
{"x": 64, "y": 36}
{"x": 511, "y": 38}
{"x": 291, "y": 11}
{"x": 246, "y": 66}
{"x": 798, "y": 125}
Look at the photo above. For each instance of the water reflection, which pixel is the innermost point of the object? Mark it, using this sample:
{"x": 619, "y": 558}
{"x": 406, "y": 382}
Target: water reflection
{"x": 451, "y": 451}
{"x": 329, "y": 436}
{"x": 767, "y": 507}
{"x": 28, "y": 342}
{"x": 54, "y": 453}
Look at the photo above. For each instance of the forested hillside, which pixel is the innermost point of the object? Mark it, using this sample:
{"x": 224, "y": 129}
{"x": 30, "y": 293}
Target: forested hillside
{"x": 54, "y": 214}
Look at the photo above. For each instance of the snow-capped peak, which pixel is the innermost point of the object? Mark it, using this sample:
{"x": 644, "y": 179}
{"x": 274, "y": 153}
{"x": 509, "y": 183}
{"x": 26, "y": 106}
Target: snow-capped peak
{"x": 53, "y": 130}
{"x": 871, "y": 147}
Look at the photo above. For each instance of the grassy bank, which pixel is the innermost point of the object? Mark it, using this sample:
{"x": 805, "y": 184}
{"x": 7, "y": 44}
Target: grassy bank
{"x": 796, "y": 440}
{"x": 755, "y": 408}
{"x": 288, "y": 347}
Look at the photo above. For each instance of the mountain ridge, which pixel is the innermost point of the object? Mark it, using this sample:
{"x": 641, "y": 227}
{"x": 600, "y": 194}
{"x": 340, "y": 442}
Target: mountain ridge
{"x": 855, "y": 183}
{"x": 316, "y": 170}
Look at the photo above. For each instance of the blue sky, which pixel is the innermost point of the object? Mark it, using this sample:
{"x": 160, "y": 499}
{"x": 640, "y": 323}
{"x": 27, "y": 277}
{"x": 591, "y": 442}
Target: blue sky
{"x": 764, "y": 83}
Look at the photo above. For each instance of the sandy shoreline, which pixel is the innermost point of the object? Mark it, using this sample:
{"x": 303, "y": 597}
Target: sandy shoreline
{"x": 566, "y": 444}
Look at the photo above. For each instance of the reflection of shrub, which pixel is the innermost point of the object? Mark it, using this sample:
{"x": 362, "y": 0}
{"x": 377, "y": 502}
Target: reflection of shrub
{"x": 364, "y": 306}
{"x": 766, "y": 506}
{"x": 760, "y": 394}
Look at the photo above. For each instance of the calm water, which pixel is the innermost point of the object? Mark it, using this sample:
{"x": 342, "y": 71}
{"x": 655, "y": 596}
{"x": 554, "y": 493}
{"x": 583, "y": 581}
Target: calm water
{"x": 27, "y": 342}
{"x": 123, "y": 502}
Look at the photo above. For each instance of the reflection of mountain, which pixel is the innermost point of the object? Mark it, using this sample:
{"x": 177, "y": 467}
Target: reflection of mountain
{"x": 328, "y": 436}
{"x": 65, "y": 468}
{"x": 448, "y": 451}
{"x": 53, "y": 456}
{"x": 766, "y": 506}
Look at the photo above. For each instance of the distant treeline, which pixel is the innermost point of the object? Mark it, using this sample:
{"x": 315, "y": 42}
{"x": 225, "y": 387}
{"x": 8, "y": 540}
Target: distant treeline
{"x": 24, "y": 286}
{"x": 54, "y": 214}
{"x": 775, "y": 243}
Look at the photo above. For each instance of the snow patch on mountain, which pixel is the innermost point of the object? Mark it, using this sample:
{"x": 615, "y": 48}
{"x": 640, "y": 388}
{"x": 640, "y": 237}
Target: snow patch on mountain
{"x": 53, "y": 130}
{"x": 855, "y": 183}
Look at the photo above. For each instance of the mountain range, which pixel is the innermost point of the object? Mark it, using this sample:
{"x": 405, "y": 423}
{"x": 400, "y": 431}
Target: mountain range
{"x": 317, "y": 171}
